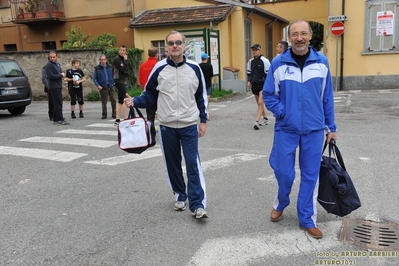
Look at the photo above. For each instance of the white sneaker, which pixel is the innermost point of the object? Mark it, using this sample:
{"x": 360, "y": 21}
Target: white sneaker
{"x": 200, "y": 213}
{"x": 180, "y": 206}
{"x": 264, "y": 122}
{"x": 256, "y": 125}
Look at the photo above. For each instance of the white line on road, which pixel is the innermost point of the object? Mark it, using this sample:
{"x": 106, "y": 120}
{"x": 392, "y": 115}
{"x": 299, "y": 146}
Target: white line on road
{"x": 89, "y": 132}
{"x": 102, "y": 125}
{"x": 229, "y": 160}
{"x": 60, "y": 156}
{"x": 249, "y": 248}
{"x": 131, "y": 157}
{"x": 73, "y": 141}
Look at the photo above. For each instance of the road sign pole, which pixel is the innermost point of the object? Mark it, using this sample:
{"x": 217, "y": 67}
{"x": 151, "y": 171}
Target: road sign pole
{"x": 336, "y": 63}
{"x": 337, "y": 28}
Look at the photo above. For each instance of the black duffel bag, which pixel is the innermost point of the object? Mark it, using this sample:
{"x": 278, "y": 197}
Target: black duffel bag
{"x": 337, "y": 194}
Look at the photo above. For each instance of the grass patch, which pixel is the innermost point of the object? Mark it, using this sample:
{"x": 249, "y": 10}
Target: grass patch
{"x": 220, "y": 93}
{"x": 135, "y": 92}
{"x": 93, "y": 96}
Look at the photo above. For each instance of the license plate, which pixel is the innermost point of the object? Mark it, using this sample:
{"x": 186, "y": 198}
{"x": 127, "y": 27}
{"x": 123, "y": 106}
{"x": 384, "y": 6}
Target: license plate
{"x": 9, "y": 91}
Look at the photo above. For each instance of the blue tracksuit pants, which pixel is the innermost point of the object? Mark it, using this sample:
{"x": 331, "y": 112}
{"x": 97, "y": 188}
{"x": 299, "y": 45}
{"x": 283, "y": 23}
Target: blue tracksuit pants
{"x": 282, "y": 160}
{"x": 172, "y": 142}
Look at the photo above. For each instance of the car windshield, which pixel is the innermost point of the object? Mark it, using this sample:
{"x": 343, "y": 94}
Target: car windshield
{"x": 10, "y": 69}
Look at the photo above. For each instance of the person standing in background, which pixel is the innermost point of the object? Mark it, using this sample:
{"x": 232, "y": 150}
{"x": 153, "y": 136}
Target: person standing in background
{"x": 281, "y": 47}
{"x": 207, "y": 70}
{"x": 257, "y": 69}
{"x": 75, "y": 77}
{"x": 120, "y": 75}
{"x": 144, "y": 72}
{"x": 304, "y": 109}
{"x": 165, "y": 53}
{"x": 104, "y": 81}
{"x": 54, "y": 77}
{"x": 47, "y": 91}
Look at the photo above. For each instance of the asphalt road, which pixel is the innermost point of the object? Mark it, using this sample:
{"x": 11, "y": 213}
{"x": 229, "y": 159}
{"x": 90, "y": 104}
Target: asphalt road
{"x": 70, "y": 196}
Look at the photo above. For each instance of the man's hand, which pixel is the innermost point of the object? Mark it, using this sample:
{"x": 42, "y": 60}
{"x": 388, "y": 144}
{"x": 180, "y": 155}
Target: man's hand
{"x": 128, "y": 101}
{"x": 331, "y": 135}
{"x": 201, "y": 130}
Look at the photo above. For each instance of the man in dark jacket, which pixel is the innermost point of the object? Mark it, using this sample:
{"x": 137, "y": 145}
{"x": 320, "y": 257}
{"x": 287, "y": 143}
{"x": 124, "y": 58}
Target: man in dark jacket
{"x": 257, "y": 68}
{"x": 120, "y": 75}
{"x": 46, "y": 90}
{"x": 54, "y": 78}
{"x": 104, "y": 81}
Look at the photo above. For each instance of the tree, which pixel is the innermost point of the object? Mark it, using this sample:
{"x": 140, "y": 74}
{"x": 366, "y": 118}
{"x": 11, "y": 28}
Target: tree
{"x": 318, "y": 34}
{"x": 103, "y": 41}
{"x": 75, "y": 39}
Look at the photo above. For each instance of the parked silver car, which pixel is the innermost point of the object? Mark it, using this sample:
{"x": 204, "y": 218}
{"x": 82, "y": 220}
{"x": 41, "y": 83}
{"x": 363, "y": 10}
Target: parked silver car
{"x": 15, "y": 89}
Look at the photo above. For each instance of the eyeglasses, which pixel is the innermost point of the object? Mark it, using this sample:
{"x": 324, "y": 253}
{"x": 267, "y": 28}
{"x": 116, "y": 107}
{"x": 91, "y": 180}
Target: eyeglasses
{"x": 302, "y": 34}
{"x": 178, "y": 43}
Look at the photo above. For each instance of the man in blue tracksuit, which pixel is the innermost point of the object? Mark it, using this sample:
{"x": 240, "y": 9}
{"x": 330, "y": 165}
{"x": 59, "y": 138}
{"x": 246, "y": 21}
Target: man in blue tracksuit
{"x": 298, "y": 91}
{"x": 178, "y": 86}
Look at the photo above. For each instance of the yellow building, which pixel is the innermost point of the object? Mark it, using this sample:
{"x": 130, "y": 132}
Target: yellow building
{"x": 224, "y": 29}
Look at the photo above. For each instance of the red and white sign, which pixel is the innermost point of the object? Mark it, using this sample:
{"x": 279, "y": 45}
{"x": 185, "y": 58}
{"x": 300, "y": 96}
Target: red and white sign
{"x": 337, "y": 28}
{"x": 385, "y": 22}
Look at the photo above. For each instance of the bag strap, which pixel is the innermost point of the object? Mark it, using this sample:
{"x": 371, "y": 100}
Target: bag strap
{"x": 132, "y": 113}
{"x": 332, "y": 147}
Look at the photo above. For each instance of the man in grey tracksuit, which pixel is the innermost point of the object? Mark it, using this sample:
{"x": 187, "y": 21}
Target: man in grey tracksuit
{"x": 178, "y": 86}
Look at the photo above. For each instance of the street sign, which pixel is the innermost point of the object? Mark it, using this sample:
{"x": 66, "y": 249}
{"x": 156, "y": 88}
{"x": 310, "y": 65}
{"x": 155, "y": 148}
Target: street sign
{"x": 337, "y": 28}
{"x": 337, "y": 18}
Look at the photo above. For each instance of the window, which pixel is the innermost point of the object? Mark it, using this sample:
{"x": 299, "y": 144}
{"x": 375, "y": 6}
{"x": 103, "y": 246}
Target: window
{"x": 269, "y": 42}
{"x": 381, "y": 31}
{"x": 49, "y": 46}
{"x": 161, "y": 47}
{"x": 10, "y": 47}
{"x": 4, "y": 3}
{"x": 248, "y": 38}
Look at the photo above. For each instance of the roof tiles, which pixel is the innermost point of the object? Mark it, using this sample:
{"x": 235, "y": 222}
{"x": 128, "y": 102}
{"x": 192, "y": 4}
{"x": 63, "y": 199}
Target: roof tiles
{"x": 186, "y": 15}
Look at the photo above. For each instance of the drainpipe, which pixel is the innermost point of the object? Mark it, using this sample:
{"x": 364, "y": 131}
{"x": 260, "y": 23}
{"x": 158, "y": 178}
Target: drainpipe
{"x": 341, "y": 80}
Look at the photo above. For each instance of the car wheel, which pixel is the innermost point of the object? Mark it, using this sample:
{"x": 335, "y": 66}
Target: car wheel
{"x": 17, "y": 110}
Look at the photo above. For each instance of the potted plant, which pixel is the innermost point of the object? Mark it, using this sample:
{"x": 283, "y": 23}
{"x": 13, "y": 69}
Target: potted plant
{"x": 30, "y": 8}
{"x": 42, "y": 12}
{"x": 20, "y": 13}
{"x": 56, "y": 5}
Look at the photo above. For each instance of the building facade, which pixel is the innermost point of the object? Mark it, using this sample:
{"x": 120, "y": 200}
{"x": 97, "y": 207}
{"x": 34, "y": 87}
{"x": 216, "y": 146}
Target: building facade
{"x": 362, "y": 57}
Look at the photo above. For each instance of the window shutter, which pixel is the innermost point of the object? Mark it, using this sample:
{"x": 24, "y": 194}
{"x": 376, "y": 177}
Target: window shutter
{"x": 388, "y": 40}
{"x": 375, "y": 41}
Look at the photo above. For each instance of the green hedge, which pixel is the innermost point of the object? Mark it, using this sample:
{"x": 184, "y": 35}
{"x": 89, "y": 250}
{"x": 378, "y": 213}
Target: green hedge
{"x": 134, "y": 56}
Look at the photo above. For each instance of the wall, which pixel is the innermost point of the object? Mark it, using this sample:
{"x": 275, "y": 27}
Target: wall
{"x": 33, "y": 62}
{"x": 93, "y": 16}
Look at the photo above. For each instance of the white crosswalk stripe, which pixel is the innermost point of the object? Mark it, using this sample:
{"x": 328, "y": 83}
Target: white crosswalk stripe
{"x": 60, "y": 156}
{"x": 89, "y": 132}
{"x": 128, "y": 158}
{"x": 73, "y": 141}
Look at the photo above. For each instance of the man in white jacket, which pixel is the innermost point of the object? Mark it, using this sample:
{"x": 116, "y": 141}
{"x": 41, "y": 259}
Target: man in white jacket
{"x": 178, "y": 86}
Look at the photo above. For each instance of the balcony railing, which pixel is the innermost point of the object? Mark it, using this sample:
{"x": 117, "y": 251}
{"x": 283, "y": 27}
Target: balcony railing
{"x": 32, "y": 11}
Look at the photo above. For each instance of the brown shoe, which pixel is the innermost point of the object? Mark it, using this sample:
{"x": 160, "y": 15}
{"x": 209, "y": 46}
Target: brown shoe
{"x": 275, "y": 215}
{"x": 313, "y": 232}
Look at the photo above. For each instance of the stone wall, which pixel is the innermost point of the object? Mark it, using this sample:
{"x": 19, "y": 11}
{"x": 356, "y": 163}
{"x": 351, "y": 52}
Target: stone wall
{"x": 33, "y": 62}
